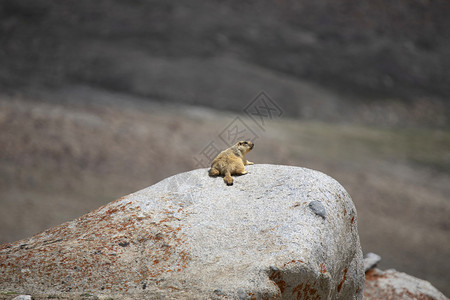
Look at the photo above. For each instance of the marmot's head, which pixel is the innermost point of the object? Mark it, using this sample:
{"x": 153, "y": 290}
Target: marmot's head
{"x": 244, "y": 146}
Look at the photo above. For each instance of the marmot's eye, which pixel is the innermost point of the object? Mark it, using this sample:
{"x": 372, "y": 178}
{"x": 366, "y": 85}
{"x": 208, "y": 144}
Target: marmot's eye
{"x": 245, "y": 143}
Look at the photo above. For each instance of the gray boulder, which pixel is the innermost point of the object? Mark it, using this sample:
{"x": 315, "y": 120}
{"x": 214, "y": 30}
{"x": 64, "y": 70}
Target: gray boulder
{"x": 278, "y": 232}
{"x": 391, "y": 284}
{"x": 370, "y": 261}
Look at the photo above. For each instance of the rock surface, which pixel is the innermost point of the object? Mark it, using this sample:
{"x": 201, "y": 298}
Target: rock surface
{"x": 370, "y": 261}
{"x": 391, "y": 284}
{"x": 22, "y": 297}
{"x": 279, "y": 231}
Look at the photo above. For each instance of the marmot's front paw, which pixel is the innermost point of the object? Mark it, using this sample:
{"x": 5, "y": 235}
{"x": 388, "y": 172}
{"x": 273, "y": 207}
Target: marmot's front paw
{"x": 214, "y": 172}
{"x": 249, "y": 163}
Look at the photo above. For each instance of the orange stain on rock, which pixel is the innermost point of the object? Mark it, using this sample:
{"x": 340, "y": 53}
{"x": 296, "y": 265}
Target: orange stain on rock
{"x": 98, "y": 241}
{"x": 305, "y": 291}
{"x": 323, "y": 270}
{"x": 277, "y": 278}
{"x": 293, "y": 262}
{"x": 342, "y": 281}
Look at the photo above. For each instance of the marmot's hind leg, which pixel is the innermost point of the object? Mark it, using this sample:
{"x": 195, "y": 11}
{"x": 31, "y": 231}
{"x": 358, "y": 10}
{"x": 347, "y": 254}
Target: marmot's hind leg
{"x": 213, "y": 172}
{"x": 240, "y": 170}
{"x": 228, "y": 179}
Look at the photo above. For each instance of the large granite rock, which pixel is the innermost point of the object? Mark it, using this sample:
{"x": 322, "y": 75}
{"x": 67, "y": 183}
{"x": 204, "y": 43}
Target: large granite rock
{"x": 278, "y": 232}
{"x": 391, "y": 284}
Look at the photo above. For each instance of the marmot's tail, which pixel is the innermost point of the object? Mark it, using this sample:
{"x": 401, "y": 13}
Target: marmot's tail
{"x": 228, "y": 179}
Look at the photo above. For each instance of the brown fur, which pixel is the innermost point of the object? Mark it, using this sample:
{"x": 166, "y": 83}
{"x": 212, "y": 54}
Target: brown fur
{"x": 231, "y": 161}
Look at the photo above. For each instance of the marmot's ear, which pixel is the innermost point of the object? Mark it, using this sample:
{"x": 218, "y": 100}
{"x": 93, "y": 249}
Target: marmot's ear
{"x": 240, "y": 143}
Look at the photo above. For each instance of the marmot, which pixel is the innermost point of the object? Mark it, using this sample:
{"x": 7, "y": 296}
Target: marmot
{"x": 231, "y": 161}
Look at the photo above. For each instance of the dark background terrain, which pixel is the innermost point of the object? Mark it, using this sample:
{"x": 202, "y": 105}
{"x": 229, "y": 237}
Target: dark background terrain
{"x": 99, "y": 99}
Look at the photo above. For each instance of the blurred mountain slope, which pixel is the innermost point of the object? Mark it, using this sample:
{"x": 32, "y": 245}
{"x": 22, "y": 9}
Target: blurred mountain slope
{"x": 367, "y": 48}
